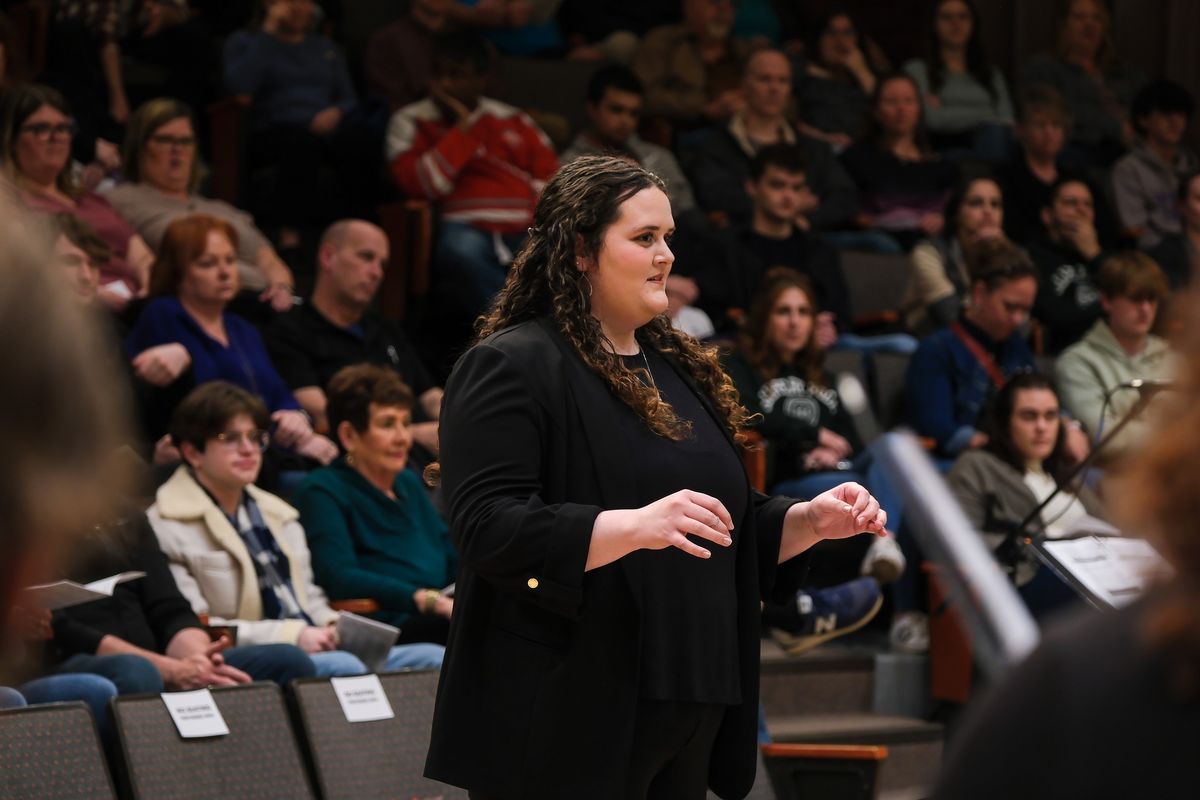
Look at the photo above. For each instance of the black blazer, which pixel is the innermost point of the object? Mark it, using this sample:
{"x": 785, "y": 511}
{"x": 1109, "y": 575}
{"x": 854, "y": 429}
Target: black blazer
{"x": 539, "y": 688}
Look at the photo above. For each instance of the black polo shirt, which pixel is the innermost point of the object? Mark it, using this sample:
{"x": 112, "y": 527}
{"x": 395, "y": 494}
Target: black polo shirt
{"x": 307, "y": 349}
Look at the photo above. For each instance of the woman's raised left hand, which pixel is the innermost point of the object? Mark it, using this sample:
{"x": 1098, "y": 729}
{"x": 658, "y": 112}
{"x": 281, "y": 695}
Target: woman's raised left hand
{"x": 844, "y": 511}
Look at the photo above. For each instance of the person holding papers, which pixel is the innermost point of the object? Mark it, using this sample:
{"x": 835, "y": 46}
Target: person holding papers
{"x": 1022, "y": 462}
{"x": 238, "y": 553}
{"x": 372, "y": 528}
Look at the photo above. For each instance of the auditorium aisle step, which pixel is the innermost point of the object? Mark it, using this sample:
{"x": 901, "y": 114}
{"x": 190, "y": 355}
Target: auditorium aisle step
{"x": 857, "y": 693}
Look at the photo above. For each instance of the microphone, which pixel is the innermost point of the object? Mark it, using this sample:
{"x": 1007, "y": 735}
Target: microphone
{"x": 1146, "y": 386}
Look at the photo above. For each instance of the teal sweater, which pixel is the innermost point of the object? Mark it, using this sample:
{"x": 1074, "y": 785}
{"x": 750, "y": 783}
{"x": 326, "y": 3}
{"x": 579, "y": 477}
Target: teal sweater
{"x": 364, "y": 544}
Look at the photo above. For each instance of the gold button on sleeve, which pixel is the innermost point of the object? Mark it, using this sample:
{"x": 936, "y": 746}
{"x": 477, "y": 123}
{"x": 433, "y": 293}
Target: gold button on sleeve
{"x": 532, "y": 583}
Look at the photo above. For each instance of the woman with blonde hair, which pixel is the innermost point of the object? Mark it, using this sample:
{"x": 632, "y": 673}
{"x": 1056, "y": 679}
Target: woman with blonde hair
{"x": 605, "y": 638}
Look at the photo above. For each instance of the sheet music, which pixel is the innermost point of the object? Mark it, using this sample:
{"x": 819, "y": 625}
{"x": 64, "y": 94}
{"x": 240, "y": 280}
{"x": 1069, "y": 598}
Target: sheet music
{"x": 63, "y": 594}
{"x": 1116, "y": 570}
{"x": 366, "y": 638}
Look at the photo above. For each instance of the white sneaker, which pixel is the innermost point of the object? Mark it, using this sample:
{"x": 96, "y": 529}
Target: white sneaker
{"x": 910, "y": 632}
{"x": 884, "y": 560}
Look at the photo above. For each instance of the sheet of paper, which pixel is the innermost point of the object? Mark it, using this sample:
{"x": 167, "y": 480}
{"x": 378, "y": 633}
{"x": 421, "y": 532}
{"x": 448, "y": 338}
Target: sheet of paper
{"x": 362, "y": 698}
{"x": 366, "y": 638}
{"x": 1114, "y": 569}
{"x": 195, "y": 714}
{"x": 63, "y": 594}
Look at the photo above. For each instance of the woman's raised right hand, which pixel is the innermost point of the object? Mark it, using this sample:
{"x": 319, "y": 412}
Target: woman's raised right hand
{"x": 669, "y": 522}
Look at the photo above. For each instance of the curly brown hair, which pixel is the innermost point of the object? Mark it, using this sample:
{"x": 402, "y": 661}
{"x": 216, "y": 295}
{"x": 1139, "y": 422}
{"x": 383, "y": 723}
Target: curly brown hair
{"x": 753, "y": 340}
{"x": 576, "y": 208}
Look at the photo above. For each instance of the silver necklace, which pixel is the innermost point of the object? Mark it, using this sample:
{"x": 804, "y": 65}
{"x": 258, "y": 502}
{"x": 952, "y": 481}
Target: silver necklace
{"x": 649, "y": 374}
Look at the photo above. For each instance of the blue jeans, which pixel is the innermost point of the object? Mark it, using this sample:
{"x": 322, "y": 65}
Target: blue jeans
{"x": 11, "y": 698}
{"x": 94, "y": 689}
{"x": 867, "y": 471}
{"x": 280, "y": 663}
{"x": 339, "y": 663}
{"x": 901, "y": 343}
{"x": 466, "y": 260}
{"x": 868, "y": 241}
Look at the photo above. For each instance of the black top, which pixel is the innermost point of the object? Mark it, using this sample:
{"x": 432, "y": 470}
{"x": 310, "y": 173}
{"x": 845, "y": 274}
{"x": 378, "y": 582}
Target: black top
{"x": 307, "y": 349}
{"x": 146, "y": 612}
{"x": 1094, "y": 712}
{"x": 1025, "y": 195}
{"x": 729, "y": 266}
{"x": 812, "y": 257}
{"x": 689, "y": 622}
{"x": 1068, "y": 302}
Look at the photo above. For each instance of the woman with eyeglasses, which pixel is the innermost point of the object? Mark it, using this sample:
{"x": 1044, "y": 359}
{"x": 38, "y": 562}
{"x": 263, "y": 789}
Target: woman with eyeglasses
{"x": 238, "y": 553}
{"x": 195, "y": 277}
{"x": 162, "y": 174}
{"x": 35, "y": 145}
{"x": 941, "y": 279}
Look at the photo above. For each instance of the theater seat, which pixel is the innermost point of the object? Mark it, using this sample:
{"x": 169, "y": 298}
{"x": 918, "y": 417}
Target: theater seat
{"x": 259, "y": 758}
{"x": 51, "y": 752}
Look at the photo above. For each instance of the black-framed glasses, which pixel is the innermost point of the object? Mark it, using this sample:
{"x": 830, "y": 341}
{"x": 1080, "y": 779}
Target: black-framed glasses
{"x": 259, "y": 439}
{"x": 46, "y": 130}
{"x": 165, "y": 141}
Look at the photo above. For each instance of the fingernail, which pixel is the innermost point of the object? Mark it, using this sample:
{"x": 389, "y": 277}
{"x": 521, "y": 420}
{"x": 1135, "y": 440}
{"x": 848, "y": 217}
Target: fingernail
{"x": 847, "y": 509}
{"x": 728, "y": 541}
{"x": 705, "y": 554}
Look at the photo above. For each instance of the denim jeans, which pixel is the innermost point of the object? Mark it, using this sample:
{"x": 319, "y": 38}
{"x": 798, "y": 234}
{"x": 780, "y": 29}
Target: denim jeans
{"x": 467, "y": 260}
{"x": 94, "y": 686}
{"x": 280, "y": 663}
{"x": 339, "y": 663}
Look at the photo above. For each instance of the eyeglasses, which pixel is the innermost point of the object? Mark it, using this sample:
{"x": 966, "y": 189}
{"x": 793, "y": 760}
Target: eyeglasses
{"x": 45, "y": 130}
{"x": 182, "y": 142}
{"x": 232, "y": 439}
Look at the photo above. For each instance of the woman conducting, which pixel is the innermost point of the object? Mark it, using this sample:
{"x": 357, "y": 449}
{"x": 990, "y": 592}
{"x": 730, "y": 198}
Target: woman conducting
{"x": 604, "y": 642}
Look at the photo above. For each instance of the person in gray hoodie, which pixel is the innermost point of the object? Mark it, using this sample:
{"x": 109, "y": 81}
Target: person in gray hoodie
{"x": 1118, "y": 349}
{"x": 1146, "y": 180}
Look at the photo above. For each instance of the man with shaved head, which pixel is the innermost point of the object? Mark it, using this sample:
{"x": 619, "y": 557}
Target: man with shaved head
{"x": 720, "y": 166}
{"x": 337, "y": 327}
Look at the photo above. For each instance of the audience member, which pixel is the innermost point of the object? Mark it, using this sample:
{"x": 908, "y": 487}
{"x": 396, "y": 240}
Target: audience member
{"x": 902, "y": 185}
{"x": 35, "y": 145}
{"x": 305, "y": 115}
{"x": 371, "y": 526}
{"x": 967, "y": 107}
{"x": 483, "y": 162}
{"x": 399, "y": 58}
{"x": 1146, "y": 181}
{"x": 1024, "y": 460}
{"x": 835, "y": 86}
{"x": 957, "y": 370}
{"x": 692, "y": 71}
{"x": 777, "y": 369}
{"x": 1097, "y": 88}
{"x": 1067, "y": 259}
{"x": 238, "y": 553}
{"x": 720, "y": 164}
{"x": 940, "y": 280}
{"x": 337, "y": 328}
{"x": 1179, "y": 254}
{"x": 195, "y": 278}
{"x": 728, "y": 274}
{"x": 612, "y": 30}
{"x": 1108, "y": 690}
{"x": 1116, "y": 350}
{"x": 145, "y": 637}
{"x": 162, "y": 174}
{"x": 614, "y": 106}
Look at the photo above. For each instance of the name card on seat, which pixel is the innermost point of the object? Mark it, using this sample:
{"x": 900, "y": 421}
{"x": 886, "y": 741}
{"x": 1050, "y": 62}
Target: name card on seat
{"x": 195, "y": 714}
{"x": 362, "y": 698}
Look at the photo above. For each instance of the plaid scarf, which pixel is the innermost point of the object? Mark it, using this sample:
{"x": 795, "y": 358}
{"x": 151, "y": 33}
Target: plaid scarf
{"x": 270, "y": 564}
